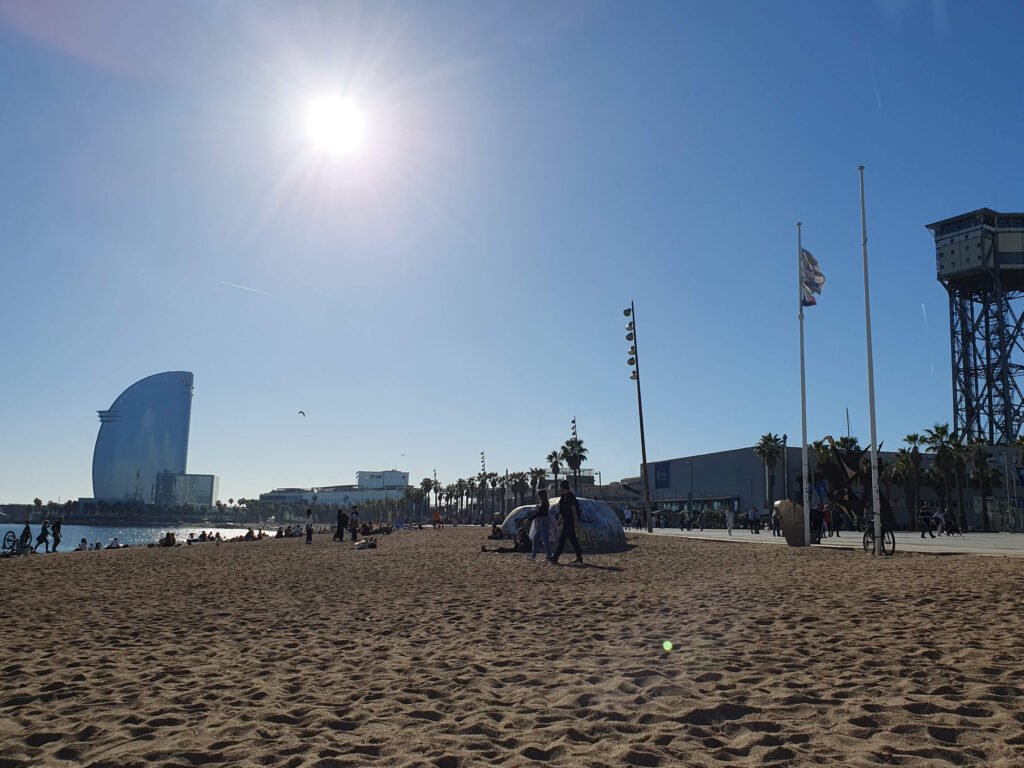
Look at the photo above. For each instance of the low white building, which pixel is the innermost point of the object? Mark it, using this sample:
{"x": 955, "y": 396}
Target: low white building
{"x": 370, "y": 486}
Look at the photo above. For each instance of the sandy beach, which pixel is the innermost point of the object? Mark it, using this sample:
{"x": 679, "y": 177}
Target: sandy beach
{"x": 427, "y": 652}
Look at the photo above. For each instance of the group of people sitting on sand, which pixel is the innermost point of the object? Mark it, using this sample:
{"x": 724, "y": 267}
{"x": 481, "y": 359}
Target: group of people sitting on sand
{"x": 84, "y": 546}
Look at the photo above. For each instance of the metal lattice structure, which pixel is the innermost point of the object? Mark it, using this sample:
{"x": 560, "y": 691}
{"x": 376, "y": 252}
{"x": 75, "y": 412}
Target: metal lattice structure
{"x": 979, "y": 260}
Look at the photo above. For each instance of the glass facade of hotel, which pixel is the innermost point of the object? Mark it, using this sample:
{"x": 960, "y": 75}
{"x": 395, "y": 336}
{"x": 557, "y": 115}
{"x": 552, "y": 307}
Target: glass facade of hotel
{"x": 143, "y": 433}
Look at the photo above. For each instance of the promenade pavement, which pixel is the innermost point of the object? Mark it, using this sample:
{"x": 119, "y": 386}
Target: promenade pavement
{"x": 1005, "y": 544}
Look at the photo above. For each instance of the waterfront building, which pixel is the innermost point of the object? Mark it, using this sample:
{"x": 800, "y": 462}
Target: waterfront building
{"x": 369, "y": 486}
{"x": 145, "y": 434}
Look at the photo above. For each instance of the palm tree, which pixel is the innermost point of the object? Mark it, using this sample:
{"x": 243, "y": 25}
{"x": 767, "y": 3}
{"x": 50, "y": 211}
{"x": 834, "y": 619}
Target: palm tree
{"x": 574, "y": 454}
{"x": 435, "y": 486}
{"x": 848, "y": 443}
{"x": 537, "y": 476}
{"x": 520, "y": 485}
{"x": 426, "y": 486}
{"x": 906, "y": 474}
{"x": 979, "y": 458}
{"x": 769, "y": 448}
{"x": 494, "y": 480}
{"x": 938, "y": 439}
{"x": 471, "y": 486}
{"x": 553, "y": 458}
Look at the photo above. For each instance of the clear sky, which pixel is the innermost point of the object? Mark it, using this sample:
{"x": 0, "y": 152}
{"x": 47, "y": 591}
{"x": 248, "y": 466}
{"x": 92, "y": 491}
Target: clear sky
{"x": 457, "y": 284}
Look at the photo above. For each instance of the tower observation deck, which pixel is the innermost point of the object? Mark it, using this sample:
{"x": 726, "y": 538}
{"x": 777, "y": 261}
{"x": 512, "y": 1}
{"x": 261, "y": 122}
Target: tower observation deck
{"x": 979, "y": 259}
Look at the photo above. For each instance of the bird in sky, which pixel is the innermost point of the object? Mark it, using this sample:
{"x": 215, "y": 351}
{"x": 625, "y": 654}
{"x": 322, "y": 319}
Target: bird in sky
{"x": 303, "y": 414}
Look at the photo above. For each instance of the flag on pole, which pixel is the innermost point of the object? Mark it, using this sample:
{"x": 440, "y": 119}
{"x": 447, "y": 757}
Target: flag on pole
{"x": 811, "y": 279}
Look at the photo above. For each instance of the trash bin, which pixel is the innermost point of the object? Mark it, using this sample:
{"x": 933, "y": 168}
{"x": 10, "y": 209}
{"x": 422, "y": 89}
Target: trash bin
{"x": 792, "y": 518}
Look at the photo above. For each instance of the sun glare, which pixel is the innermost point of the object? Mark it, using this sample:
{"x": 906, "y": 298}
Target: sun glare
{"x": 335, "y": 125}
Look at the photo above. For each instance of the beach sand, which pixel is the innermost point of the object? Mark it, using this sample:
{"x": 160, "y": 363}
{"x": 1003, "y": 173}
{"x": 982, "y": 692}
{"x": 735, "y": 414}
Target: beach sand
{"x": 427, "y": 652}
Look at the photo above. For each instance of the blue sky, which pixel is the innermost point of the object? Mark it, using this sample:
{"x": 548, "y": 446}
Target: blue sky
{"x": 527, "y": 170}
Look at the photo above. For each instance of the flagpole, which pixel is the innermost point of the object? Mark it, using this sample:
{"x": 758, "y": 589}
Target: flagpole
{"x": 875, "y": 504}
{"x": 803, "y": 386}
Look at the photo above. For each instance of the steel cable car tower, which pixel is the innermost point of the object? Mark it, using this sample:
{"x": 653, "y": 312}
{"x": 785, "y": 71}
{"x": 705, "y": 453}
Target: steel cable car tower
{"x": 979, "y": 259}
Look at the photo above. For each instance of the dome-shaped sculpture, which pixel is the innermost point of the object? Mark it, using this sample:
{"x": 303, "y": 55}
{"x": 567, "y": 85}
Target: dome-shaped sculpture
{"x": 599, "y": 529}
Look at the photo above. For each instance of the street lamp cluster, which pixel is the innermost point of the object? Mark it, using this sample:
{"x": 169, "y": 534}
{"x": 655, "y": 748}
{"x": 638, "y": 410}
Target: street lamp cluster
{"x": 634, "y": 363}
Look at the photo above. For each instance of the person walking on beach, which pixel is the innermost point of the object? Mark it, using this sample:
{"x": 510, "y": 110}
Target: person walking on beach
{"x": 339, "y": 532}
{"x": 540, "y": 529}
{"x": 570, "y": 509}
{"x": 56, "y": 532}
{"x": 940, "y": 521}
{"x": 776, "y": 523}
{"x": 43, "y": 537}
{"x": 926, "y": 520}
{"x": 25, "y": 540}
{"x": 309, "y": 533}
{"x": 730, "y": 519}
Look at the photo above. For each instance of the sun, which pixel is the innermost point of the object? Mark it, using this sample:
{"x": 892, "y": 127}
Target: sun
{"x": 335, "y": 125}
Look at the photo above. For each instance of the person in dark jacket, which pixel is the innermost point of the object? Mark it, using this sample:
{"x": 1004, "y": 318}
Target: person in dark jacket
{"x": 570, "y": 509}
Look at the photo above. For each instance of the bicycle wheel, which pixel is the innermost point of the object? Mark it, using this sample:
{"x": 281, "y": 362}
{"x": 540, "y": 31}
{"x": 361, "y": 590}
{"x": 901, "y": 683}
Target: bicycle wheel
{"x": 869, "y": 541}
{"x": 10, "y": 541}
{"x": 888, "y": 543}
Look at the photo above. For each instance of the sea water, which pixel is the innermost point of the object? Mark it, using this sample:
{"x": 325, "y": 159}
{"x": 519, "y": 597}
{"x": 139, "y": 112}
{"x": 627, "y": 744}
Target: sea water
{"x": 128, "y": 535}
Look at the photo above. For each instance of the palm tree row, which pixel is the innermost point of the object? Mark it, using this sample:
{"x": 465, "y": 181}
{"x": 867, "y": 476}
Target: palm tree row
{"x": 485, "y": 491}
{"x": 955, "y": 465}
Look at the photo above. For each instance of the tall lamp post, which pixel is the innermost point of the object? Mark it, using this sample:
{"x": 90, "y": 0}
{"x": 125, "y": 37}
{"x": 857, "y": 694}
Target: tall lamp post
{"x": 634, "y": 362}
{"x": 689, "y": 493}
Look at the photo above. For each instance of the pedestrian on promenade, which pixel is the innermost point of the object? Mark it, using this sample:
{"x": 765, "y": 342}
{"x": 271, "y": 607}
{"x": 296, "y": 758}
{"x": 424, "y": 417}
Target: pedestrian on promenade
{"x": 837, "y": 520}
{"x": 43, "y": 537}
{"x": 926, "y": 520}
{"x": 826, "y": 521}
{"x": 570, "y": 509}
{"x": 56, "y": 532}
{"x": 940, "y": 521}
{"x": 339, "y": 532}
{"x": 754, "y": 516}
{"x": 353, "y": 522}
{"x": 730, "y": 519}
{"x": 540, "y": 529}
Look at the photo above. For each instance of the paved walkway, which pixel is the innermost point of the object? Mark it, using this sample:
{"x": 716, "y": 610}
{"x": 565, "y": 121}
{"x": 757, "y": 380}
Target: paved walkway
{"x": 1006, "y": 544}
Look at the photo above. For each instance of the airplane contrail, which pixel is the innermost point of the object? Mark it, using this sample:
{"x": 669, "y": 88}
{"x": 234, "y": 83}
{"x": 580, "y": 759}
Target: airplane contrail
{"x": 244, "y": 288}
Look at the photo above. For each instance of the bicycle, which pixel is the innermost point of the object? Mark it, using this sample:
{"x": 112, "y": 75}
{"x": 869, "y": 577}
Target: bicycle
{"x": 888, "y": 538}
{"x": 12, "y": 545}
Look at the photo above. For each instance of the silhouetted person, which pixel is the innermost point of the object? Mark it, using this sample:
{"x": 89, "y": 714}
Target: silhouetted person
{"x": 570, "y": 509}
{"x": 353, "y": 523}
{"x": 43, "y": 537}
{"x": 339, "y": 533}
{"x": 926, "y": 521}
{"x": 56, "y": 532}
